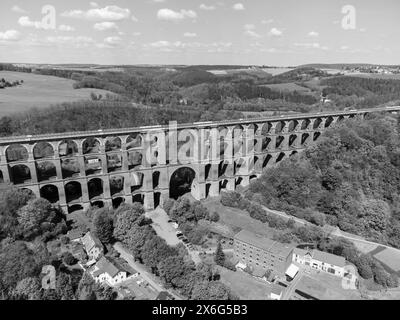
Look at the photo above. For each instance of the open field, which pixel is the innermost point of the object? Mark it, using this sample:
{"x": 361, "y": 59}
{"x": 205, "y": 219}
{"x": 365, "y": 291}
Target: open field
{"x": 390, "y": 258}
{"x": 325, "y": 286}
{"x": 276, "y": 71}
{"x": 288, "y": 87}
{"x": 162, "y": 227}
{"x": 244, "y": 285}
{"x": 38, "y": 91}
{"x": 374, "y": 75}
{"x": 236, "y": 219}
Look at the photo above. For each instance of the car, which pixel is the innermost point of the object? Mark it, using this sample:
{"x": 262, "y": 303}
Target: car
{"x": 180, "y": 237}
{"x": 169, "y": 221}
{"x": 184, "y": 240}
{"x": 178, "y": 233}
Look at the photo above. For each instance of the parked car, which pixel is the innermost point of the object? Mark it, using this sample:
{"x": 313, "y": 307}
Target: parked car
{"x": 184, "y": 240}
{"x": 179, "y": 233}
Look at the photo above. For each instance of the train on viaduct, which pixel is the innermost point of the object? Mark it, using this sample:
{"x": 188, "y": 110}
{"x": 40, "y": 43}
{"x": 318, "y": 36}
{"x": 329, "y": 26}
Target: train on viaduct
{"x": 107, "y": 167}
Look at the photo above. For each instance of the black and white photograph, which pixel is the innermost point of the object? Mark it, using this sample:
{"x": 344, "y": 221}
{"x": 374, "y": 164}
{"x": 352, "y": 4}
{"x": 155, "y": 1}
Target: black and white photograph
{"x": 224, "y": 152}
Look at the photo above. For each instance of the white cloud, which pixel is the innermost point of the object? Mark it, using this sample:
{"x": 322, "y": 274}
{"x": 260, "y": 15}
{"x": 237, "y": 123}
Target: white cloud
{"x": 136, "y": 34}
{"x": 27, "y": 22}
{"x": 18, "y": 9}
{"x": 94, "y": 4}
{"x": 159, "y": 1}
{"x": 250, "y": 31}
{"x": 112, "y": 40}
{"x": 344, "y": 47}
{"x": 66, "y": 28}
{"x": 275, "y": 32}
{"x": 238, "y": 6}
{"x": 171, "y": 15}
{"x": 206, "y": 7}
{"x": 363, "y": 30}
{"x": 313, "y": 34}
{"x": 106, "y": 25}
{"x": 10, "y": 35}
{"x": 312, "y": 45}
{"x": 108, "y": 13}
{"x": 190, "y": 35}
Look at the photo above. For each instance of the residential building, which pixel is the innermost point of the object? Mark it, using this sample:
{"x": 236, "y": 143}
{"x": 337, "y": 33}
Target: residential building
{"x": 78, "y": 252}
{"x": 105, "y": 271}
{"x": 93, "y": 246}
{"x": 320, "y": 260}
{"x": 256, "y": 251}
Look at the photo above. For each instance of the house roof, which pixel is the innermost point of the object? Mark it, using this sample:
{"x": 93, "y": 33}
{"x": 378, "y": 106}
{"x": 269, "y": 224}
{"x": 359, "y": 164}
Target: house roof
{"x": 90, "y": 241}
{"x": 106, "y": 266}
{"x": 322, "y": 256}
{"x": 263, "y": 243}
{"x": 292, "y": 270}
{"x": 329, "y": 258}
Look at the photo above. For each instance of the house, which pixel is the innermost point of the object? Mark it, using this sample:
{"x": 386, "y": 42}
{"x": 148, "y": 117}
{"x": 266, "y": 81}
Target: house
{"x": 291, "y": 272}
{"x": 93, "y": 246}
{"x": 256, "y": 251}
{"x": 276, "y": 292}
{"x": 320, "y": 260}
{"x": 78, "y": 252}
{"x": 105, "y": 271}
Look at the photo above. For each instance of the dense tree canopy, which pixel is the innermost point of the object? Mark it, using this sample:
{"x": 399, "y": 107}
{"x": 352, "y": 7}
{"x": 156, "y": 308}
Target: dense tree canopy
{"x": 350, "y": 178}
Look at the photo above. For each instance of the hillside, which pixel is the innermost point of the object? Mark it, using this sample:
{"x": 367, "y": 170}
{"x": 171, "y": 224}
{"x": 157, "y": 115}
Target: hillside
{"x": 39, "y": 91}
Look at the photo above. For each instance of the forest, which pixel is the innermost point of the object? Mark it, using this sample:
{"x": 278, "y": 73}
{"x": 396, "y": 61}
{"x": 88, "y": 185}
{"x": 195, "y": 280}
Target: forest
{"x": 349, "y": 179}
{"x": 30, "y": 227}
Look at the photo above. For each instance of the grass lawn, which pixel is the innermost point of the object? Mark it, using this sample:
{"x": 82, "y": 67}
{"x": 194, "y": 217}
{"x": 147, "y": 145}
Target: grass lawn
{"x": 374, "y": 76}
{"x": 276, "y": 71}
{"x": 244, "y": 285}
{"x": 390, "y": 258}
{"x": 38, "y": 91}
{"x": 162, "y": 227}
{"x": 236, "y": 219}
{"x": 325, "y": 286}
{"x": 289, "y": 87}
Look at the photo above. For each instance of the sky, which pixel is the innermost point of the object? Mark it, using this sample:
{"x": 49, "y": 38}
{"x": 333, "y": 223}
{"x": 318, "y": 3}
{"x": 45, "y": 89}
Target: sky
{"x": 189, "y": 32}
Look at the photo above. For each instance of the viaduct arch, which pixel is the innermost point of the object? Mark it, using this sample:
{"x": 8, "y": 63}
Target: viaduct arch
{"x": 108, "y": 167}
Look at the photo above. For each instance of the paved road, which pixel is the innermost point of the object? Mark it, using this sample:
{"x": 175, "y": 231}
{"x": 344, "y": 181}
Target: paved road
{"x": 150, "y": 278}
{"x": 292, "y": 286}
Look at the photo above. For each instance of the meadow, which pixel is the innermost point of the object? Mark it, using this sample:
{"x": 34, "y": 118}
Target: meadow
{"x": 289, "y": 87}
{"x": 38, "y": 91}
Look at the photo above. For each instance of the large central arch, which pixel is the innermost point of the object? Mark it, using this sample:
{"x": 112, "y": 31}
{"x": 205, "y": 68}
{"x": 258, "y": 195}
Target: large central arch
{"x": 181, "y": 182}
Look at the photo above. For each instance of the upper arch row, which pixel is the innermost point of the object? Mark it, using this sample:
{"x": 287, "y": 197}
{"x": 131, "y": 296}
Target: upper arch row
{"x": 72, "y": 147}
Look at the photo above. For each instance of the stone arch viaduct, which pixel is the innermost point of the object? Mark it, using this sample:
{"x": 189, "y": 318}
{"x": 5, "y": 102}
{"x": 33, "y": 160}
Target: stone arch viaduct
{"x": 105, "y": 167}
